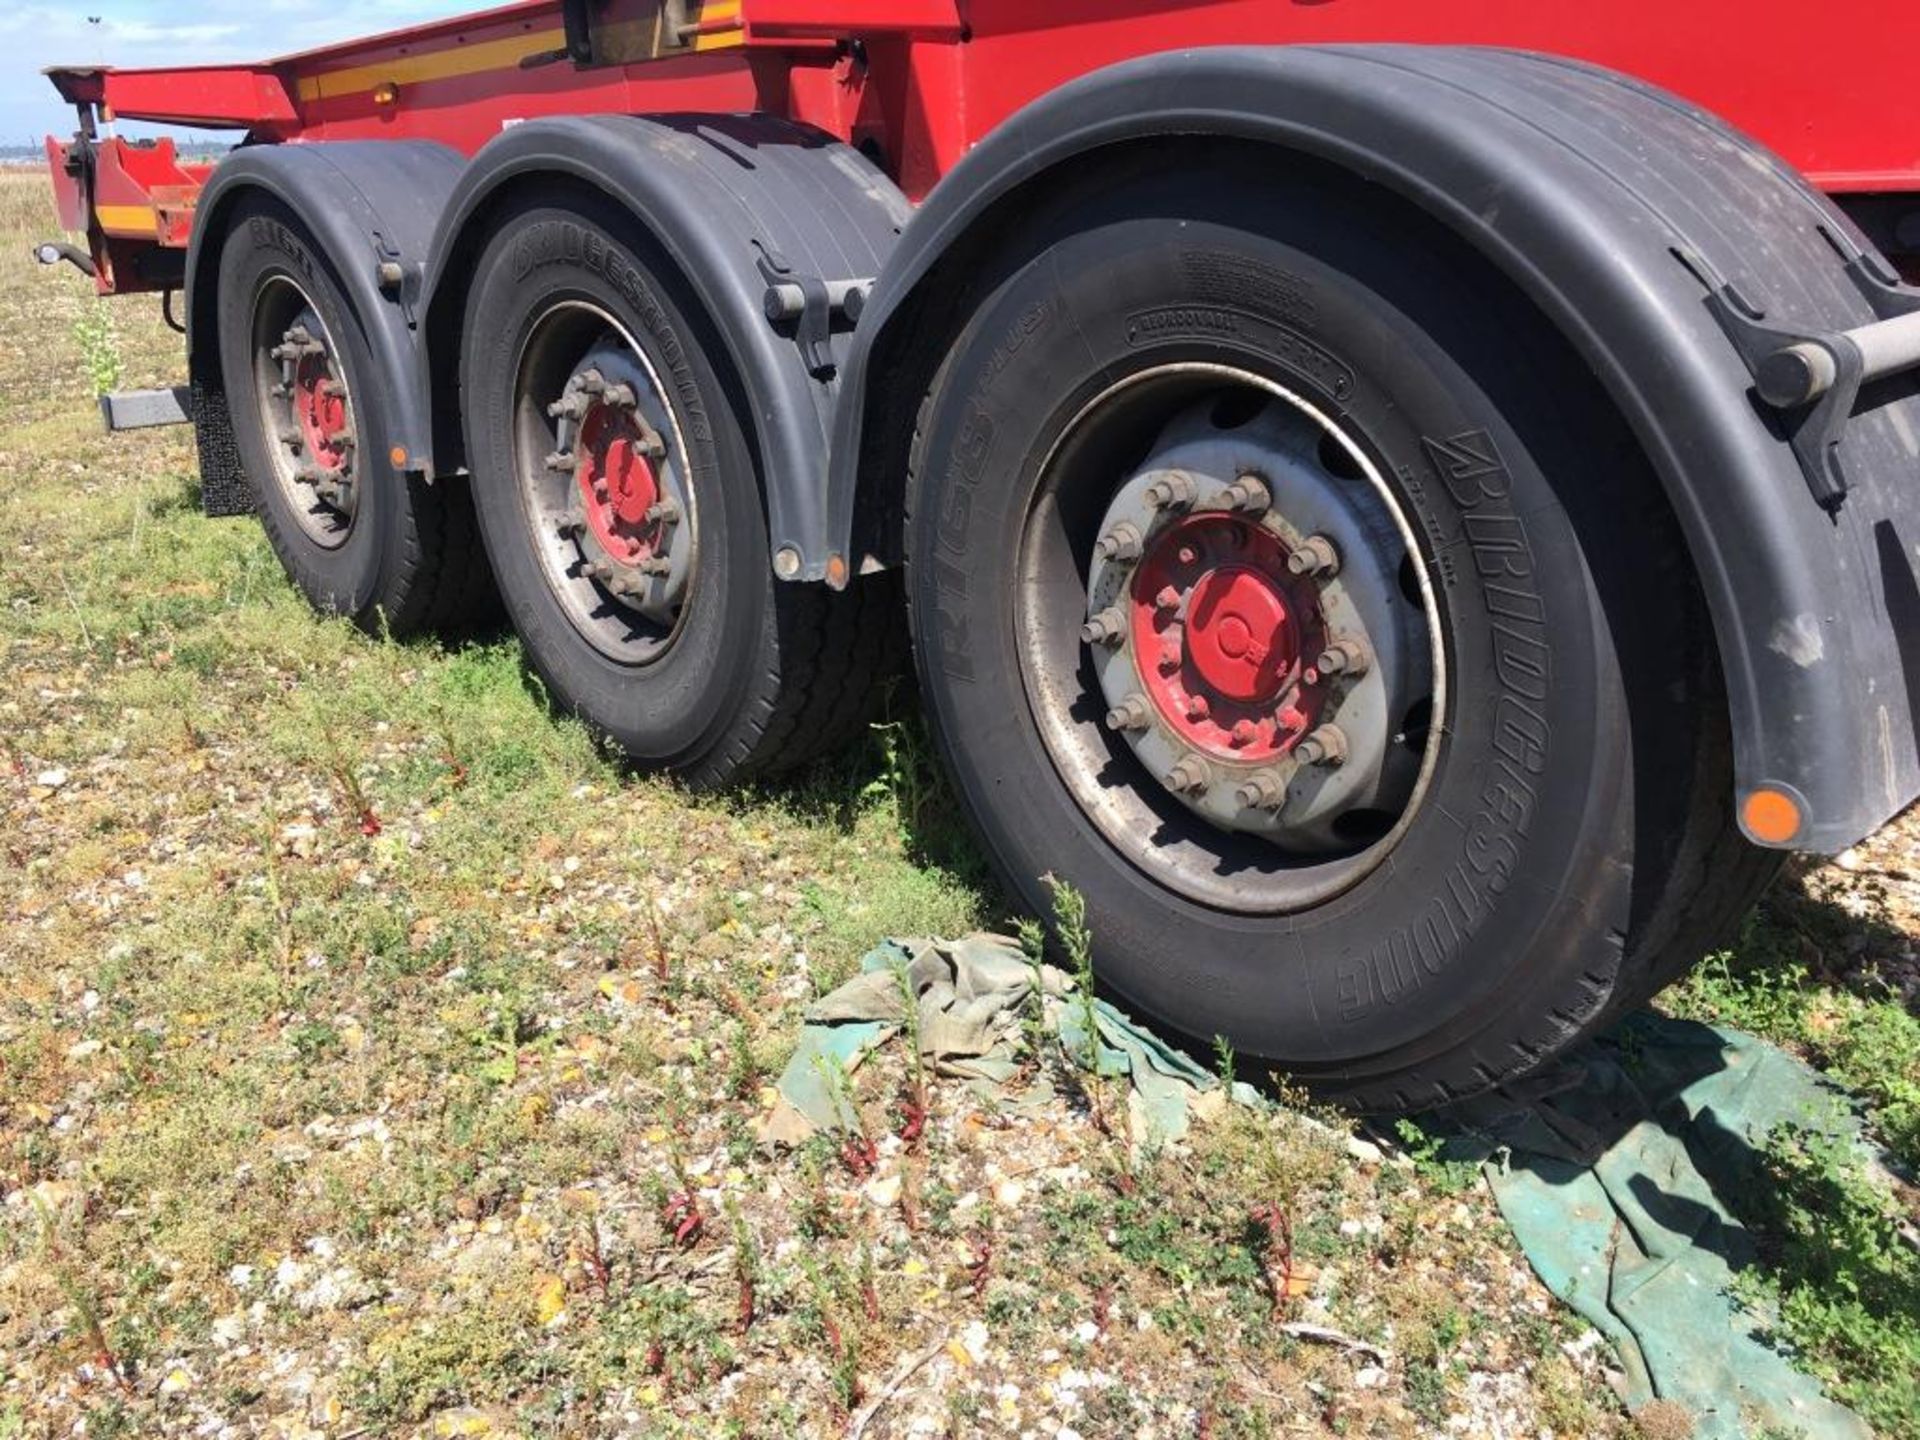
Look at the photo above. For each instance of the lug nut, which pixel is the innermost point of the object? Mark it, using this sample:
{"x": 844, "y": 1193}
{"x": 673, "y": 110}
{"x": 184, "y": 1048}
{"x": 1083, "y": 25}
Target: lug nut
{"x": 620, "y": 397}
{"x": 1120, "y": 543}
{"x": 571, "y": 527}
{"x": 560, "y": 460}
{"x": 1314, "y": 557}
{"x": 1346, "y": 656}
{"x": 590, "y": 382}
{"x": 1249, "y": 495}
{"x": 1106, "y": 628}
{"x": 1172, "y": 491}
{"x": 1169, "y": 654}
{"x": 1189, "y": 776}
{"x": 1244, "y": 733}
{"x": 568, "y": 407}
{"x": 1131, "y": 713}
{"x": 1197, "y": 707}
{"x": 664, "y": 512}
{"x": 1168, "y": 598}
{"x": 1263, "y": 790}
{"x": 658, "y": 565}
{"x": 599, "y": 570}
{"x": 1324, "y": 746}
{"x": 331, "y": 390}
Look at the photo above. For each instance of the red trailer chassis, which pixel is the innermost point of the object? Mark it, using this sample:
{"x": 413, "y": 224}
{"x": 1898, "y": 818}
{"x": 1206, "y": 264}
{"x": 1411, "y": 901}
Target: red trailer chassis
{"x": 1398, "y": 523}
{"x": 927, "y": 84}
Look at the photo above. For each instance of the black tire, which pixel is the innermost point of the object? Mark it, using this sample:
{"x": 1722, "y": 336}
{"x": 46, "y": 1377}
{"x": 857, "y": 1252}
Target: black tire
{"x": 1575, "y": 829}
{"x": 410, "y": 556}
{"x": 757, "y": 676}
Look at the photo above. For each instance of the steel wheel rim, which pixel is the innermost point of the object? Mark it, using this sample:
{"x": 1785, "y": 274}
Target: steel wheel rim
{"x": 311, "y": 434}
{"x": 620, "y": 559}
{"x": 1057, "y": 614}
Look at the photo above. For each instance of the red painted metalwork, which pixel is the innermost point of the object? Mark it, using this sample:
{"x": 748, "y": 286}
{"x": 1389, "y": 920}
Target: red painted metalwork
{"x": 929, "y": 78}
{"x": 1222, "y": 630}
{"x": 320, "y": 408}
{"x": 619, "y": 487}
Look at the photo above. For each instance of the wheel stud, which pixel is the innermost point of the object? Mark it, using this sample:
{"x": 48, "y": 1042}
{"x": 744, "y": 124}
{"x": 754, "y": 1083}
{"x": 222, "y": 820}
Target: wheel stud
{"x": 1172, "y": 491}
{"x": 1189, "y": 776}
{"x": 1324, "y": 746}
{"x": 1315, "y": 558}
{"x": 1263, "y": 790}
{"x": 1346, "y": 656}
{"x": 1120, "y": 543}
{"x": 1248, "y": 495}
{"x": 1106, "y": 628}
{"x": 1131, "y": 713}
{"x": 1244, "y": 733}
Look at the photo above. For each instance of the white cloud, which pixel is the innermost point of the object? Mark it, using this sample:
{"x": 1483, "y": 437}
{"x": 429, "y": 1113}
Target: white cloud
{"x": 133, "y": 33}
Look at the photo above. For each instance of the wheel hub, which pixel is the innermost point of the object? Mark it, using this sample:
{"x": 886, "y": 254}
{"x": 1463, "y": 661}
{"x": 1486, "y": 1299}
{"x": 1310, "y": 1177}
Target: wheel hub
{"x": 320, "y": 408}
{"x": 611, "y": 499}
{"x": 619, "y": 487}
{"x": 1250, "y": 636}
{"x": 1225, "y": 624}
{"x": 310, "y": 414}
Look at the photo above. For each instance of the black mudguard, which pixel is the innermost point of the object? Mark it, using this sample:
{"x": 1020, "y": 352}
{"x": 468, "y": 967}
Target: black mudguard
{"x": 726, "y": 197}
{"x": 1618, "y": 208}
{"x": 368, "y": 203}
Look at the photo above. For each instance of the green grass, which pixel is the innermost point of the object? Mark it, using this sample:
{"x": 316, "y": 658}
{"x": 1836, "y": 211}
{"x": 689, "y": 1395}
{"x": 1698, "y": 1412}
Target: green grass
{"x": 361, "y": 1022}
{"x": 1834, "y": 1261}
{"x": 1856, "y": 1032}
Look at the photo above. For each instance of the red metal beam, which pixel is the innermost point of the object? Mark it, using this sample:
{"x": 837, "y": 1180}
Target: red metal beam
{"x": 238, "y": 97}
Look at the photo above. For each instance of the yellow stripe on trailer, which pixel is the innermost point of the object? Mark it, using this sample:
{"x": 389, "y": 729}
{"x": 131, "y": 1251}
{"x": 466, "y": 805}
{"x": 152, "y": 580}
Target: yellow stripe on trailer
{"x": 445, "y": 64}
{"x": 714, "y": 26}
{"x": 127, "y": 219}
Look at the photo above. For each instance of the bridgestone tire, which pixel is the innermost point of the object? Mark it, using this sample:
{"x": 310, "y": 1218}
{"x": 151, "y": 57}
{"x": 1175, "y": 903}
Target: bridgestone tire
{"x": 412, "y": 559}
{"x": 1576, "y": 820}
{"x": 762, "y": 676}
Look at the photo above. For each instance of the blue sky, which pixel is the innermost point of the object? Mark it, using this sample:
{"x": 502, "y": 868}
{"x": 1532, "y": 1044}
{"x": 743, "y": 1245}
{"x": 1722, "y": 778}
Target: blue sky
{"x": 38, "y": 33}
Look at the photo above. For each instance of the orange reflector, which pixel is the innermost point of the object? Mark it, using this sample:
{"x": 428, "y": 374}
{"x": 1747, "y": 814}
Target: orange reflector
{"x": 837, "y": 571}
{"x": 398, "y": 455}
{"x": 385, "y": 93}
{"x": 1771, "y": 816}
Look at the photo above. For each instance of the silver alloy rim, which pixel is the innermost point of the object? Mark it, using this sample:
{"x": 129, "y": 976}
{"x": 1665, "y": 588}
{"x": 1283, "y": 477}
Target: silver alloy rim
{"x": 293, "y": 356}
{"x": 620, "y": 561}
{"x": 1175, "y": 795}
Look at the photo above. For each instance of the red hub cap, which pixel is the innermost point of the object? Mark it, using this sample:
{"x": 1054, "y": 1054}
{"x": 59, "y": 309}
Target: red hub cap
{"x": 320, "y": 408}
{"x": 618, "y": 484}
{"x": 1221, "y": 630}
